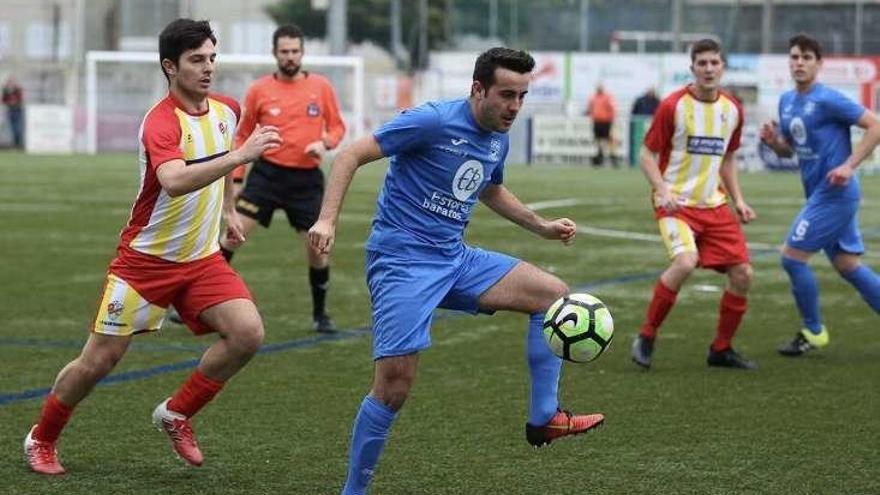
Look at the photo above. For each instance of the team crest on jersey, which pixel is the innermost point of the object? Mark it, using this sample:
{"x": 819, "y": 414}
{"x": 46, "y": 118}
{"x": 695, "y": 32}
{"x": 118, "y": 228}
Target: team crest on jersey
{"x": 274, "y": 111}
{"x": 494, "y": 150}
{"x": 189, "y": 138}
{"x": 313, "y": 110}
{"x": 467, "y": 179}
{"x": 114, "y": 309}
{"x": 222, "y": 127}
{"x": 798, "y": 130}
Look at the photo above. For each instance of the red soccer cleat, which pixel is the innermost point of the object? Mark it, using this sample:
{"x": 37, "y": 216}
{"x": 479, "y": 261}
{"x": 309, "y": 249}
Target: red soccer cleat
{"x": 562, "y": 424}
{"x": 179, "y": 429}
{"x": 41, "y": 456}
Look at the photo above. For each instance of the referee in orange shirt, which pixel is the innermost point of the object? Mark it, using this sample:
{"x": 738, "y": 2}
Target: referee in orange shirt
{"x": 303, "y": 106}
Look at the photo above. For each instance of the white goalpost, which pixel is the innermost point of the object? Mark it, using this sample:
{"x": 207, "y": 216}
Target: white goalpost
{"x": 121, "y": 87}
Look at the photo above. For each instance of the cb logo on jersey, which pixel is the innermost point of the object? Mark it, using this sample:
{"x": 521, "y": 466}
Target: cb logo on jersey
{"x": 467, "y": 179}
{"x": 798, "y": 130}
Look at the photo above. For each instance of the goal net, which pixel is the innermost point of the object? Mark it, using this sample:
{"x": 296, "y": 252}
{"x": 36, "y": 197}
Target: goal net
{"x": 122, "y": 86}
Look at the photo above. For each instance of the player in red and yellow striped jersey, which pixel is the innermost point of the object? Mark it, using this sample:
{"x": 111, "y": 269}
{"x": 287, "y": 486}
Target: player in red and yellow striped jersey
{"x": 168, "y": 253}
{"x": 688, "y": 159}
{"x": 304, "y": 108}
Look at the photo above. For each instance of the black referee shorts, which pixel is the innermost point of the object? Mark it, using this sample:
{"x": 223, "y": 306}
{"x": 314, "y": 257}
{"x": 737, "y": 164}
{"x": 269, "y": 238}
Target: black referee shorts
{"x": 296, "y": 191}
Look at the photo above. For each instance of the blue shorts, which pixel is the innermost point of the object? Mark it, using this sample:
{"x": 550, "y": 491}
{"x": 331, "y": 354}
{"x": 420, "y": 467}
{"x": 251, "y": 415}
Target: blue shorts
{"x": 405, "y": 291}
{"x": 829, "y": 225}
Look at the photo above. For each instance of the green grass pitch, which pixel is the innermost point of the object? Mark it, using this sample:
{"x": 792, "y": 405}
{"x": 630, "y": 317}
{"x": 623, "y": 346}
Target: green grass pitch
{"x": 796, "y": 426}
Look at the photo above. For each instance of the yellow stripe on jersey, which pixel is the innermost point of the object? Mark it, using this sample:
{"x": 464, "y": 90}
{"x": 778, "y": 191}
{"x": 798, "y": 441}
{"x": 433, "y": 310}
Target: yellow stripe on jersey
{"x": 213, "y": 226}
{"x": 705, "y": 169}
{"x": 207, "y": 126}
{"x": 714, "y": 194}
{"x": 683, "y": 168}
{"x": 189, "y": 141}
{"x": 171, "y": 210}
{"x": 203, "y": 216}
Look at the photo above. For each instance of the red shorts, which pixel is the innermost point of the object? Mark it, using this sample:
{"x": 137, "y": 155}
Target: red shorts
{"x": 140, "y": 288}
{"x": 713, "y": 233}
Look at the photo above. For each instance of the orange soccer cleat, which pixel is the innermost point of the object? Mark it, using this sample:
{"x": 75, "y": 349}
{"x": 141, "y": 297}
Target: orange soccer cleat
{"x": 562, "y": 424}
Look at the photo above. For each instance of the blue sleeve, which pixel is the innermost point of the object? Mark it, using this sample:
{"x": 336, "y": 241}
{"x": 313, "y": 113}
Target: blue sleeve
{"x": 783, "y": 129}
{"x": 410, "y": 130}
{"x": 841, "y": 108}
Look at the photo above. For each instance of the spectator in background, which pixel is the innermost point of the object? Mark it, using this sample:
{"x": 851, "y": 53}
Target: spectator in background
{"x": 601, "y": 109}
{"x": 646, "y": 104}
{"x": 13, "y": 98}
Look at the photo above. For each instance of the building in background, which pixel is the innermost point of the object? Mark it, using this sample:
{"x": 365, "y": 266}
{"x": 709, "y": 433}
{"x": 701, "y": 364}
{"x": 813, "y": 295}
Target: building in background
{"x": 44, "y": 42}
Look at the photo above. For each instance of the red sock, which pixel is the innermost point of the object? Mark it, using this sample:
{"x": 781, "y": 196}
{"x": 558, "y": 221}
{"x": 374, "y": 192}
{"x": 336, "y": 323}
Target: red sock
{"x": 732, "y": 309}
{"x": 661, "y": 303}
{"x": 195, "y": 392}
{"x": 52, "y": 419}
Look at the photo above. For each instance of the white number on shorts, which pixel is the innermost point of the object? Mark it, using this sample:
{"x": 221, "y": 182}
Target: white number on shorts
{"x": 801, "y": 230}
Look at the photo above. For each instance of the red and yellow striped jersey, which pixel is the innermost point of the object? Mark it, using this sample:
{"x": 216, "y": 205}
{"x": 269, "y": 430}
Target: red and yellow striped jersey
{"x": 183, "y": 228}
{"x": 692, "y": 137}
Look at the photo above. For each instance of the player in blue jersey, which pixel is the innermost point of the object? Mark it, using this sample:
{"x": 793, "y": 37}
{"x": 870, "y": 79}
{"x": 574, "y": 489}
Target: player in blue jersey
{"x": 444, "y": 157}
{"x": 814, "y": 124}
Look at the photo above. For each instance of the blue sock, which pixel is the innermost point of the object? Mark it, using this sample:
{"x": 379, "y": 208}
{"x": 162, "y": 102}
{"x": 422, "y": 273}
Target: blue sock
{"x": 806, "y": 292}
{"x": 368, "y": 437}
{"x": 867, "y": 283}
{"x": 544, "y": 368}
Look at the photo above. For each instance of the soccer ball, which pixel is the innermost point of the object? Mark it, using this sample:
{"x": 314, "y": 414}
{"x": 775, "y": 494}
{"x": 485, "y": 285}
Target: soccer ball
{"x": 578, "y": 327}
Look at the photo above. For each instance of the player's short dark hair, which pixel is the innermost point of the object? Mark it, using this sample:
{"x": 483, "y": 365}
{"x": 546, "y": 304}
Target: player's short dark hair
{"x": 182, "y": 35}
{"x": 286, "y": 31}
{"x": 507, "y": 58}
{"x": 706, "y": 45}
{"x": 806, "y": 43}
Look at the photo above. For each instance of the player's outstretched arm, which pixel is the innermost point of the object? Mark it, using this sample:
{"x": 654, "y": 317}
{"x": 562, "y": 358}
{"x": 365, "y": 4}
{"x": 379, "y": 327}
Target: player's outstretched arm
{"x": 770, "y": 134}
{"x": 730, "y": 180}
{"x": 505, "y": 203}
{"x": 840, "y": 175}
{"x": 363, "y": 151}
{"x": 178, "y": 179}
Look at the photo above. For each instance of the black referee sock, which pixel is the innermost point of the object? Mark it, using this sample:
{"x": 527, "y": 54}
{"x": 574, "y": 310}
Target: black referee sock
{"x": 319, "y": 279}
{"x": 227, "y": 253}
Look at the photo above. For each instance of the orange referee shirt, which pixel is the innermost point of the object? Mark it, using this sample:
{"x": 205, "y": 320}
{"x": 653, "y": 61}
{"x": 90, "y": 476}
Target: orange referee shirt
{"x": 304, "y": 110}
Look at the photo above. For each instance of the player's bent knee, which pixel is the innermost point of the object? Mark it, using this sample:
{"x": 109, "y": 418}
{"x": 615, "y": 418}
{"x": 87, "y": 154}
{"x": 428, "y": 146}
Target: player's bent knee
{"x": 556, "y": 289}
{"x": 393, "y": 393}
{"x": 249, "y": 338}
{"x": 741, "y": 277}
{"x": 686, "y": 262}
{"x": 846, "y": 264}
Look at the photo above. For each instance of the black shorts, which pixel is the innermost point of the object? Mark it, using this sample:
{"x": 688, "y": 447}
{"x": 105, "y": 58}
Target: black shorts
{"x": 296, "y": 191}
{"x": 601, "y": 130}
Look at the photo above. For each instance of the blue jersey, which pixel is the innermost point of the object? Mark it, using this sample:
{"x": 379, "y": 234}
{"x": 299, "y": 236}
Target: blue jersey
{"x": 441, "y": 161}
{"x": 817, "y": 124}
